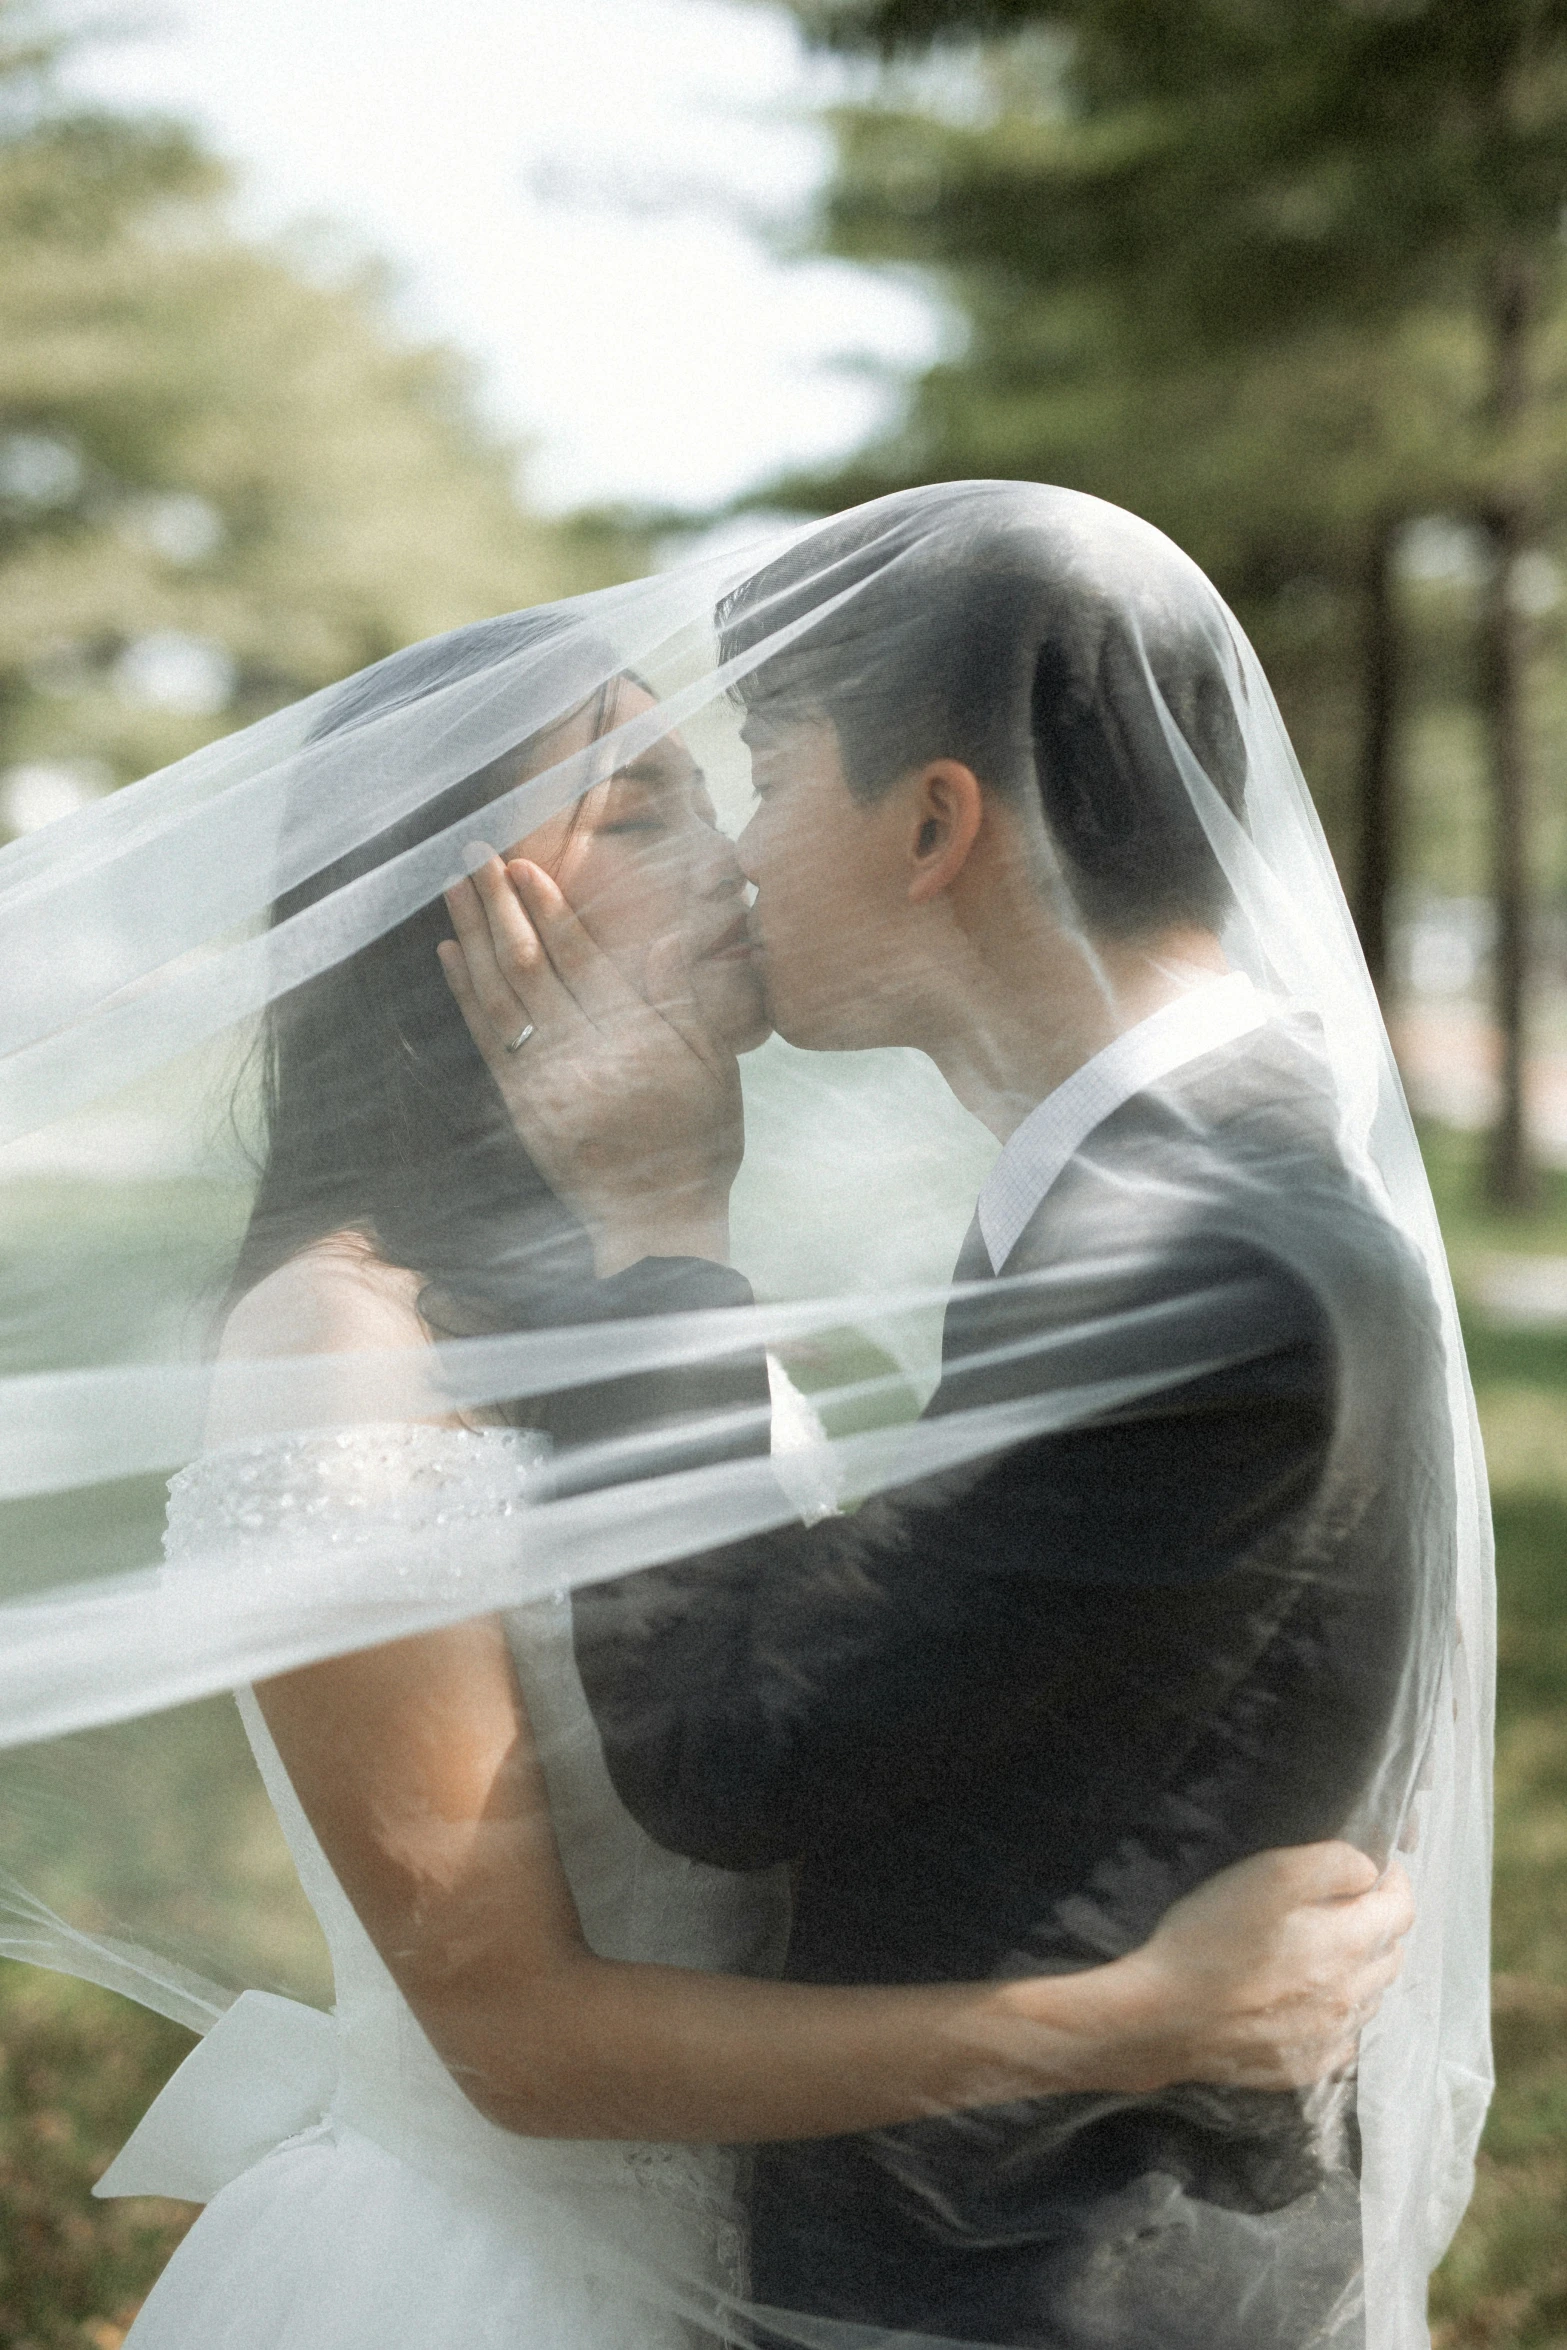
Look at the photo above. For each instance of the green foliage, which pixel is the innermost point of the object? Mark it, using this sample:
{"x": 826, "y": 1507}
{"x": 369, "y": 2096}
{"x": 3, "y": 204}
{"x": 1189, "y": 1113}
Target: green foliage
{"x": 1232, "y": 278}
{"x": 208, "y": 441}
{"x": 1222, "y": 261}
{"x": 1250, "y": 164}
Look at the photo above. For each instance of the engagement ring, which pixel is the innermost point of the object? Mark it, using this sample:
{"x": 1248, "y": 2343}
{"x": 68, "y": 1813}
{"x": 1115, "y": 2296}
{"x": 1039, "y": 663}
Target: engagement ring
{"x": 520, "y": 1039}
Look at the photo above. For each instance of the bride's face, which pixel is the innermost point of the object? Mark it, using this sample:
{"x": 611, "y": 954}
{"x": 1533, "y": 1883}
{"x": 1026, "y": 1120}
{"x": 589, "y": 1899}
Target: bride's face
{"x": 640, "y": 858}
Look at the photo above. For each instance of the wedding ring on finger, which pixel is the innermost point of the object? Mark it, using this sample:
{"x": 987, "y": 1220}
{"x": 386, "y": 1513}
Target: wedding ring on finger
{"x": 515, "y": 1044}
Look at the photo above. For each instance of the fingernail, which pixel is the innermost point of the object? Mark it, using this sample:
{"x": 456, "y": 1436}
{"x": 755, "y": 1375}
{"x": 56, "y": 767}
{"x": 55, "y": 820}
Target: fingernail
{"x": 476, "y": 855}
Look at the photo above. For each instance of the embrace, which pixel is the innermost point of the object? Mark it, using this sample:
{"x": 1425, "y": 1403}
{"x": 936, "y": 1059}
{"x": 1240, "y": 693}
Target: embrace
{"x": 916, "y": 1860}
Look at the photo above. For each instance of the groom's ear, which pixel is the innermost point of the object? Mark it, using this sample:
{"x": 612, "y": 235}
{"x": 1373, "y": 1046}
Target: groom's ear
{"x": 946, "y": 810}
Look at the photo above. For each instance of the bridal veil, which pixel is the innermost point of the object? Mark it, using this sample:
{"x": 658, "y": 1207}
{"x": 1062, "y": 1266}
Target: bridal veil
{"x": 222, "y": 946}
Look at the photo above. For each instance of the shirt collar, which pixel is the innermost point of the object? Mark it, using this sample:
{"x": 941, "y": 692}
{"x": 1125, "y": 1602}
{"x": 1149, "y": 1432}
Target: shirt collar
{"x": 1211, "y": 1014}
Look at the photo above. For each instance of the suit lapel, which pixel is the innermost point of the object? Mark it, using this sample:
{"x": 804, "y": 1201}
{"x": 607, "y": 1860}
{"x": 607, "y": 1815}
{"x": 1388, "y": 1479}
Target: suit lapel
{"x": 962, "y": 1327}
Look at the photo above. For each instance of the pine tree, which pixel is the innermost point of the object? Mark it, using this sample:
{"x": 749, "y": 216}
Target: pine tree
{"x": 224, "y": 480}
{"x": 1240, "y": 181}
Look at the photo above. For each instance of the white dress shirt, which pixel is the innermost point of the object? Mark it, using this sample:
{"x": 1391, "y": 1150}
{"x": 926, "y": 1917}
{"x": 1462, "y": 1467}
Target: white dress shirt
{"x": 1213, "y": 1013}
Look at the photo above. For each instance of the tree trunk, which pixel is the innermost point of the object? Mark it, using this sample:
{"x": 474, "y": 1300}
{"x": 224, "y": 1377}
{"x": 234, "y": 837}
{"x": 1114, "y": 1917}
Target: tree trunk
{"x": 1509, "y": 1170}
{"x": 1510, "y": 1175}
{"x": 1377, "y": 866}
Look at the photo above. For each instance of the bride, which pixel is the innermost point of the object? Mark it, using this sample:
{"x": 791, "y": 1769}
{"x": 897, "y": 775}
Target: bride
{"x": 551, "y": 2037}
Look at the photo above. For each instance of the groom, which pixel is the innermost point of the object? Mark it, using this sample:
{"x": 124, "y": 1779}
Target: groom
{"x": 999, "y": 1718}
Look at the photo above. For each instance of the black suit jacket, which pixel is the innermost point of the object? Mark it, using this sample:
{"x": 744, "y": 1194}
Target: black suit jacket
{"x": 1002, "y": 1717}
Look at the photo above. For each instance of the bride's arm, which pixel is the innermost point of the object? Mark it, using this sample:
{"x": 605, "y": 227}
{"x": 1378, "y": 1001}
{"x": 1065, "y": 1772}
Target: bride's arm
{"x": 416, "y": 1765}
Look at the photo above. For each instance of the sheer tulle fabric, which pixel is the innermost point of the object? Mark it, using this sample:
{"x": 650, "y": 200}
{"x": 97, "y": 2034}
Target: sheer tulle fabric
{"x": 1257, "y": 1202}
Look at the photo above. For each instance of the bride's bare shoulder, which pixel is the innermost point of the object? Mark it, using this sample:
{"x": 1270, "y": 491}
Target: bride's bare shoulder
{"x": 335, "y": 1297}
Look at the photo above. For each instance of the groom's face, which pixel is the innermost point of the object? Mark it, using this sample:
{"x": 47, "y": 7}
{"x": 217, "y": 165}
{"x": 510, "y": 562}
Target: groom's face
{"x": 831, "y": 879}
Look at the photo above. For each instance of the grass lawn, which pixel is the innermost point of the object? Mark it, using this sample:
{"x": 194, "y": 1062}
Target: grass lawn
{"x": 1503, "y": 2286}
{"x": 77, "y": 2066}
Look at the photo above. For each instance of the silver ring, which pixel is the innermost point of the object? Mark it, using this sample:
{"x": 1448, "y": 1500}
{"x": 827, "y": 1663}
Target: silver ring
{"x": 520, "y": 1039}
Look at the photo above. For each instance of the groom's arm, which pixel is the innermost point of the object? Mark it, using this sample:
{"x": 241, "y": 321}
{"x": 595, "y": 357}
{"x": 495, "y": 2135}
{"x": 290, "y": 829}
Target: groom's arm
{"x": 678, "y": 1415}
{"x": 742, "y": 1694}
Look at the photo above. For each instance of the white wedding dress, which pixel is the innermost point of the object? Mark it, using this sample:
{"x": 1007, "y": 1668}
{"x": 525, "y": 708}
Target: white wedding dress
{"x": 355, "y": 2199}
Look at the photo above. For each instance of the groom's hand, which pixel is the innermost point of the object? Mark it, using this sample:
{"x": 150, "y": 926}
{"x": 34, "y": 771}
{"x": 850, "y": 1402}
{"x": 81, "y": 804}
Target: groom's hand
{"x": 625, "y": 1103}
{"x": 1265, "y": 1976}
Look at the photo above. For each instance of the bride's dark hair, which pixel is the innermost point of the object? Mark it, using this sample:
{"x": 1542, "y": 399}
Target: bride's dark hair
{"x": 379, "y": 1115}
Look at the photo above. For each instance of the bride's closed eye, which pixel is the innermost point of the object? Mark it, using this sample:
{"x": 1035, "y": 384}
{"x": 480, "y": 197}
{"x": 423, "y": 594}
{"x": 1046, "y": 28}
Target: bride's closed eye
{"x": 633, "y": 806}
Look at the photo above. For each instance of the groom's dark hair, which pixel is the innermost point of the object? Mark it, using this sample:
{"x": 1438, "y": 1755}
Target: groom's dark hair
{"x": 1015, "y": 629}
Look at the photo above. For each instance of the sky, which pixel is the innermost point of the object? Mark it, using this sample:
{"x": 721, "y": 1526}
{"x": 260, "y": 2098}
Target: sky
{"x": 574, "y": 193}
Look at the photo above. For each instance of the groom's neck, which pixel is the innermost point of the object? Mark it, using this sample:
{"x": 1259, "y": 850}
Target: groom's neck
{"x": 1025, "y": 1005}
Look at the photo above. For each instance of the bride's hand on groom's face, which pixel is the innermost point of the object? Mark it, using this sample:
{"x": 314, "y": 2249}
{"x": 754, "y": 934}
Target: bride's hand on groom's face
{"x": 1265, "y": 1976}
{"x": 624, "y": 1101}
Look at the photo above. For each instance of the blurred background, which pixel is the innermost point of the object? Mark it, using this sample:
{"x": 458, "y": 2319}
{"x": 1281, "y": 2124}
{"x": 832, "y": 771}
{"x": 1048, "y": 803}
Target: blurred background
{"x": 327, "y": 325}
